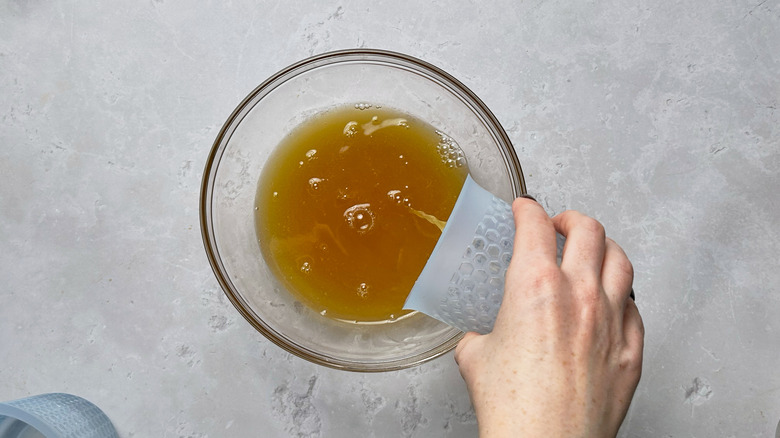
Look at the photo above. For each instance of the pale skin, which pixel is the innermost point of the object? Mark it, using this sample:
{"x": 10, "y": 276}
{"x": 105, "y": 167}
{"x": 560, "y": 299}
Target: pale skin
{"x": 565, "y": 355}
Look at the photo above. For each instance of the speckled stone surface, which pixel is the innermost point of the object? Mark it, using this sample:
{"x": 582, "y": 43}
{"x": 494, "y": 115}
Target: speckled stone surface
{"x": 659, "y": 118}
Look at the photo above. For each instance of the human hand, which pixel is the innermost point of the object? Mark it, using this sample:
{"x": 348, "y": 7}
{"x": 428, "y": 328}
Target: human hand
{"x": 565, "y": 354}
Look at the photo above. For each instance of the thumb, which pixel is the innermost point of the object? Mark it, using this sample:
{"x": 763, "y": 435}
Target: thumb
{"x": 467, "y": 339}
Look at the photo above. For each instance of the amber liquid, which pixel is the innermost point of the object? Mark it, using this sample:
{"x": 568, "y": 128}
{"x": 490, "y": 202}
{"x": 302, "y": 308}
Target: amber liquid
{"x": 350, "y": 206}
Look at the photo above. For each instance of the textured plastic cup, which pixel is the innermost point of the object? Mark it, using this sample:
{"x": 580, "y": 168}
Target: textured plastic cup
{"x": 54, "y": 416}
{"x": 462, "y": 283}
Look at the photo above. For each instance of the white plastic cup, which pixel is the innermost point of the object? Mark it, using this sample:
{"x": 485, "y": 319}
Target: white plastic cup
{"x": 462, "y": 283}
{"x": 54, "y": 416}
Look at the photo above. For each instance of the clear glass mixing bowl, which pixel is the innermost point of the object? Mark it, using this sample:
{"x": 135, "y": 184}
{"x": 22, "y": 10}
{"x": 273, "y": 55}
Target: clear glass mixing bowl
{"x": 255, "y": 128}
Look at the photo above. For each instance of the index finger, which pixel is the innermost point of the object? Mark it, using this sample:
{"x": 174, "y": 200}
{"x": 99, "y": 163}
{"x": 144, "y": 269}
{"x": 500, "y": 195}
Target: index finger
{"x": 534, "y": 234}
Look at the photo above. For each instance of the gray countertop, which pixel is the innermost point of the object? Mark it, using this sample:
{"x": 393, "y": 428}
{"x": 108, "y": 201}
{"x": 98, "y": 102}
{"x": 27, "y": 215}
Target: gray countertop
{"x": 660, "y": 119}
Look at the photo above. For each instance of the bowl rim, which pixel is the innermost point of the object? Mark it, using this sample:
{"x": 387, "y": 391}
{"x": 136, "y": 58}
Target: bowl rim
{"x": 412, "y": 64}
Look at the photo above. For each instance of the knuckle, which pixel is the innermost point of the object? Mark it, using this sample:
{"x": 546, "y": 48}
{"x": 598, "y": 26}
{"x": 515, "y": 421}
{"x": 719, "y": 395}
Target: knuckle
{"x": 592, "y": 226}
{"x": 545, "y": 278}
{"x": 621, "y": 261}
{"x": 632, "y": 360}
{"x": 591, "y": 302}
{"x": 641, "y": 332}
{"x": 535, "y": 286}
{"x": 626, "y": 267}
{"x": 589, "y": 292}
{"x": 592, "y": 311}
{"x": 632, "y": 353}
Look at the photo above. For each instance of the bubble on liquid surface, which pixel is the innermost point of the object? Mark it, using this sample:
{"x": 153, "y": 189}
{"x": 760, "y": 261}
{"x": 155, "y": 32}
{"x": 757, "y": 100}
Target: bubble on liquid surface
{"x": 398, "y": 197}
{"x": 395, "y": 195}
{"x": 363, "y": 106}
{"x": 362, "y": 290}
{"x": 306, "y": 267}
{"x": 360, "y": 218}
{"x": 315, "y": 184}
{"x": 375, "y": 125}
{"x": 351, "y": 128}
{"x": 311, "y": 154}
{"x": 449, "y": 151}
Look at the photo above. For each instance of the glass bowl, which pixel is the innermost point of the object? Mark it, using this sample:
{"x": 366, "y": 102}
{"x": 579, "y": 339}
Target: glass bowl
{"x": 255, "y": 128}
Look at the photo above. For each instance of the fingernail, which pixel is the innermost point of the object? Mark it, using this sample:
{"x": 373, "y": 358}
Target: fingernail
{"x": 527, "y": 196}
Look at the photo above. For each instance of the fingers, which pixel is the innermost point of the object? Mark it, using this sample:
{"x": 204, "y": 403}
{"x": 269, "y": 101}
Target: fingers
{"x": 585, "y": 246}
{"x": 589, "y": 252}
{"x": 534, "y": 234}
{"x": 617, "y": 274}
